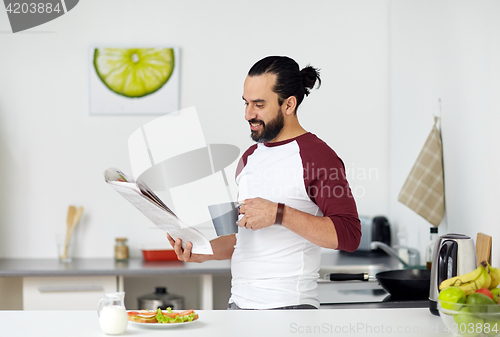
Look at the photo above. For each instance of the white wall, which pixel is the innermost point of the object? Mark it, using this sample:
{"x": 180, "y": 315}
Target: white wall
{"x": 448, "y": 50}
{"x": 52, "y": 153}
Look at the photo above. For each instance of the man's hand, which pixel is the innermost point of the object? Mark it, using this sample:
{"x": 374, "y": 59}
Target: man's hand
{"x": 185, "y": 254}
{"x": 258, "y": 213}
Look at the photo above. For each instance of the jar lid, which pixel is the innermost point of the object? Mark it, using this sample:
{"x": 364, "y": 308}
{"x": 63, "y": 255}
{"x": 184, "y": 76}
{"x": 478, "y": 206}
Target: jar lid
{"x": 121, "y": 239}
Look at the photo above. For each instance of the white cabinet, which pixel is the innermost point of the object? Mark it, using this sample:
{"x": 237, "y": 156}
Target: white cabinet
{"x": 66, "y": 293}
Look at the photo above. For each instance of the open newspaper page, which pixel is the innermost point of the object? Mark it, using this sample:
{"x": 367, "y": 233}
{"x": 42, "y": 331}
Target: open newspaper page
{"x": 146, "y": 201}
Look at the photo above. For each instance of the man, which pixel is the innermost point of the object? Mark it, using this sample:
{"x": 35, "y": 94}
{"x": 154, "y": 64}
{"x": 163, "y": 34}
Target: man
{"x": 294, "y": 195}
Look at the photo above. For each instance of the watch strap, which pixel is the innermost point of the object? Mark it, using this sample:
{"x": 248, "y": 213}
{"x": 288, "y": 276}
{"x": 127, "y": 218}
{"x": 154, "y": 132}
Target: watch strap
{"x": 279, "y": 214}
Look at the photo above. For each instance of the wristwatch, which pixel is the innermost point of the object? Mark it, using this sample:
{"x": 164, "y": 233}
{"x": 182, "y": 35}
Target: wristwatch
{"x": 279, "y": 214}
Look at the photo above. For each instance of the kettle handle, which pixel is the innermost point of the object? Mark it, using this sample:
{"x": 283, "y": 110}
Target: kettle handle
{"x": 447, "y": 251}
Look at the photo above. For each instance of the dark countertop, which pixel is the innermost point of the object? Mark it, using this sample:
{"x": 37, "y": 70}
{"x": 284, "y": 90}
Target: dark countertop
{"x": 106, "y": 267}
{"x": 341, "y": 258}
{"x": 379, "y": 305}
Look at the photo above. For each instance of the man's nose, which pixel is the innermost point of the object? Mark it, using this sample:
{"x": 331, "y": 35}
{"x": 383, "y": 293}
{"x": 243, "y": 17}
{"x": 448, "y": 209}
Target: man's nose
{"x": 249, "y": 113}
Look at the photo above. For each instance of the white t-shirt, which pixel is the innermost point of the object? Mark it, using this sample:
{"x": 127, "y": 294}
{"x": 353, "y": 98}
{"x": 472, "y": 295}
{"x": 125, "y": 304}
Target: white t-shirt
{"x": 274, "y": 267}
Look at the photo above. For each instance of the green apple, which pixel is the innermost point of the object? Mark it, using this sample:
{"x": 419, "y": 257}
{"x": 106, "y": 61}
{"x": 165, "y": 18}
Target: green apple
{"x": 468, "y": 323}
{"x": 479, "y": 303}
{"x": 483, "y": 307}
{"x": 492, "y": 321}
{"x": 451, "y": 295}
{"x": 496, "y": 294}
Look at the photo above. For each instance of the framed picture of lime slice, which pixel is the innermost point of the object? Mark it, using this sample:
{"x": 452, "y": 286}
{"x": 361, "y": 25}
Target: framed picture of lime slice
{"x": 134, "y": 81}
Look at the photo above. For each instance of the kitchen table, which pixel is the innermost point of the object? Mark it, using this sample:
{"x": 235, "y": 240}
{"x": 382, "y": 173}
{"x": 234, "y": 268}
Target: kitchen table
{"x": 241, "y": 323}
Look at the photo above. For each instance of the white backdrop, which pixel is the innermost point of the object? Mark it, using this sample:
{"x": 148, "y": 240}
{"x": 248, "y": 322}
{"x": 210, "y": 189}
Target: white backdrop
{"x": 52, "y": 153}
{"x": 384, "y": 65}
{"x": 448, "y": 50}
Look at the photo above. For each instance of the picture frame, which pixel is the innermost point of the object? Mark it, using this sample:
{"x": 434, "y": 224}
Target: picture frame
{"x": 134, "y": 80}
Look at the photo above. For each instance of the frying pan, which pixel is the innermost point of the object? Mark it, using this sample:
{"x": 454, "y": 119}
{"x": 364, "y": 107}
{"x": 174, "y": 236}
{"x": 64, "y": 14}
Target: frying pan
{"x": 404, "y": 283}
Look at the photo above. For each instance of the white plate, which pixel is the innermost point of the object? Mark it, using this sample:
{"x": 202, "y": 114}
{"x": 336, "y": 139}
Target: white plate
{"x": 161, "y": 325}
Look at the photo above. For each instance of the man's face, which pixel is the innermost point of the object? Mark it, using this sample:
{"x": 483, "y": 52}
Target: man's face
{"x": 262, "y": 109}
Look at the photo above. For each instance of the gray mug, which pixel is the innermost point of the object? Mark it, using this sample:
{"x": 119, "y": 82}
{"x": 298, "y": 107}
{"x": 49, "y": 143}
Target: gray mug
{"x": 225, "y": 218}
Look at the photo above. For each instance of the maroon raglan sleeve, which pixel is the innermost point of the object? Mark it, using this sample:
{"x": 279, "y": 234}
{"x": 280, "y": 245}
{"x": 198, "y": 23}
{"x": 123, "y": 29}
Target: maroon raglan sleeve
{"x": 327, "y": 186}
{"x": 243, "y": 160}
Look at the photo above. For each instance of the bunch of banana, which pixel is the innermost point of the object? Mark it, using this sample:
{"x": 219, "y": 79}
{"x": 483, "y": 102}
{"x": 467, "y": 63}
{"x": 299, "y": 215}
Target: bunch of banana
{"x": 470, "y": 282}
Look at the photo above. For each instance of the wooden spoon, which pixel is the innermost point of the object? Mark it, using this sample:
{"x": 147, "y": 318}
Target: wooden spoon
{"x": 69, "y": 218}
{"x": 69, "y": 222}
{"x": 76, "y": 219}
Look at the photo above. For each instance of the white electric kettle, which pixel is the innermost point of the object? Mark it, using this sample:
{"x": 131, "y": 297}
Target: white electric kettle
{"x": 454, "y": 254}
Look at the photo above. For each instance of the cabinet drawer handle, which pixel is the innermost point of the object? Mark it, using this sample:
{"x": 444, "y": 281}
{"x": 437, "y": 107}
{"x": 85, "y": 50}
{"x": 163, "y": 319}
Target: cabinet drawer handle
{"x": 49, "y": 289}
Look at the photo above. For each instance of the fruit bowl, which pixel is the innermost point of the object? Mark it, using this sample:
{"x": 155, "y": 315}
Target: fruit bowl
{"x": 470, "y": 320}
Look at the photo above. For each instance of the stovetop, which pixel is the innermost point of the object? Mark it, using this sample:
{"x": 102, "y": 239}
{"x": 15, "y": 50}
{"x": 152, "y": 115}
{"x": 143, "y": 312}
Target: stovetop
{"x": 359, "y": 294}
{"x": 372, "y": 298}
{"x": 378, "y": 305}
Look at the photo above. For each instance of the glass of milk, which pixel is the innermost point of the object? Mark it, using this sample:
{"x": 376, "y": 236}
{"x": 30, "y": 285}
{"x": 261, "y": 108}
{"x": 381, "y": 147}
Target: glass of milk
{"x": 113, "y": 317}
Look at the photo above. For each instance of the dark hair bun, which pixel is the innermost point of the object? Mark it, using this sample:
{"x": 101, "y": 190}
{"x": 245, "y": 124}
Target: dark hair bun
{"x": 309, "y": 77}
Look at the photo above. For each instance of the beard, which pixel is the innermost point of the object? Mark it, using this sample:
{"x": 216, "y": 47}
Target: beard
{"x": 269, "y": 130}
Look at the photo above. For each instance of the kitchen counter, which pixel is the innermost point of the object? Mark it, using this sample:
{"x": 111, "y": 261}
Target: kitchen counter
{"x": 139, "y": 267}
{"x": 106, "y": 267}
{"x": 37, "y": 271}
{"x": 329, "y": 292}
{"x": 241, "y": 323}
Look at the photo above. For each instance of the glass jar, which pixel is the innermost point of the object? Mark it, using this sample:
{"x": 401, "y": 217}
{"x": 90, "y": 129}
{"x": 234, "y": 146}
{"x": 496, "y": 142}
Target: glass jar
{"x": 121, "y": 249}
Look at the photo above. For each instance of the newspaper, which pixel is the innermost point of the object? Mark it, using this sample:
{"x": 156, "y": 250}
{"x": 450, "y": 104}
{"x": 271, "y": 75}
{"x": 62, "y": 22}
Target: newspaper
{"x": 146, "y": 201}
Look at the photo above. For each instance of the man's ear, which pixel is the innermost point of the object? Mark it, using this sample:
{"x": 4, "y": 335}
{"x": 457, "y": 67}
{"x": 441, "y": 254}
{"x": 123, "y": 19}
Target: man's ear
{"x": 291, "y": 105}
